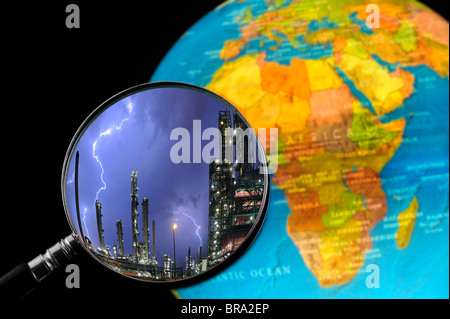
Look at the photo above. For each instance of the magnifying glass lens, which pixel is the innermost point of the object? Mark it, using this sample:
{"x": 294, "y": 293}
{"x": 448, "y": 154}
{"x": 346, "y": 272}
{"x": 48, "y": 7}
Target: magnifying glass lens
{"x": 165, "y": 182}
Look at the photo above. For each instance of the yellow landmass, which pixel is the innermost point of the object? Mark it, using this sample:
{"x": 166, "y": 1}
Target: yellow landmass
{"x": 408, "y": 81}
{"x": 294, "y": 112}
{"x": 265, "y": 112}
{"x": 296, "y": 98}
{"x": 321, "y": 75}
{"x": 247, "y": 15}
{"x": 387, "y": 42}
{"x": 374, "y": 81}
{"x": 341, "y": 254}
{"x": 239, "y": 81}
{"x": 426, "y": 44}
{"x": 331, "y": 193}
{"x": 354, "y": 48}
{"x": 316, "y": 114}
{"x": 374, "y": 159}
{"x": 335, "y": 255}
{"x": 406, "y": 222}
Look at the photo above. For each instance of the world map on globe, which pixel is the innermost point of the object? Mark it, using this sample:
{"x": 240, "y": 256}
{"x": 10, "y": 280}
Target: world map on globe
{"x": 363, "y": 149}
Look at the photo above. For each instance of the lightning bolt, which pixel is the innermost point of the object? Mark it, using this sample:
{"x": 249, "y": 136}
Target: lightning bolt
{"x": 94, "y": 146}
{"x": 71, "y": 180}
{"x": 181, "y": 211}
{"x": 84, "y": 221}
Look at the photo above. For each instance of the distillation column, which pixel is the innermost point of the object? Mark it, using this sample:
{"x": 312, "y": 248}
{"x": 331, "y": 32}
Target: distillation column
{"x": 134, "y": 215}
{"x": 154, "y": 241}
{"x": 145, "y": 230}
{"x": 121, "y": 252}
{"x": 98, "y": 211}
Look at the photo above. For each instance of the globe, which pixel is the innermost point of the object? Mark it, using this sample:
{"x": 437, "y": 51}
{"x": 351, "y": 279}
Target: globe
{"x": 360, "y": 97}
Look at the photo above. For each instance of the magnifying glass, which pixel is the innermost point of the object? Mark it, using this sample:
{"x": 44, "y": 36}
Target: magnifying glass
{"x": 165, "y": 183}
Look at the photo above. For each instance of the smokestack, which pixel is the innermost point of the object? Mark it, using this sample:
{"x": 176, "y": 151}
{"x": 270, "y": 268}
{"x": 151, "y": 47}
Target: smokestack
{"x": 121, "y": 252}
{"x": 154, "y": 242}
{"x": 98, "y": 212}
{"x": 141, "y": 252}
{"x": 189, "y": 258}
{"x": 145, "y": 229}
{"x": 200, "y": 253}
{"x": 134, "y": 215}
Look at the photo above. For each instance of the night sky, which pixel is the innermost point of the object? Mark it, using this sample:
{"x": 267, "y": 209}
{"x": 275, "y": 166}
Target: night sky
{"x": 134, "y": 135}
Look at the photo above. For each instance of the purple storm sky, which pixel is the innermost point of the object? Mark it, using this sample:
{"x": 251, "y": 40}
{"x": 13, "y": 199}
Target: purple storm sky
{"x": 134, "y": 135}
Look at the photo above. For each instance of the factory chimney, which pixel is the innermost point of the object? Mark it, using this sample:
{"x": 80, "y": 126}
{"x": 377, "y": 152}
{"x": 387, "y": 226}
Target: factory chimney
{"x": 189, "y": 258}
{"x": 145, "y": 229}
{"x": 153, "y": 240}
{"x": 121, "y": 252}
{"x": 134, "y": 215}
{"x": 98, "y": 211}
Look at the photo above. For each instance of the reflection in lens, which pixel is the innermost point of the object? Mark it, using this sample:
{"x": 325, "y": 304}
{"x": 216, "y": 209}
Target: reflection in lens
{"x": 169, "y": 182}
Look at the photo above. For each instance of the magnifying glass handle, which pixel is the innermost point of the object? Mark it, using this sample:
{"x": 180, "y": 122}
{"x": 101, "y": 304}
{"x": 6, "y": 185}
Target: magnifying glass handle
{"x": 25, "y": 277}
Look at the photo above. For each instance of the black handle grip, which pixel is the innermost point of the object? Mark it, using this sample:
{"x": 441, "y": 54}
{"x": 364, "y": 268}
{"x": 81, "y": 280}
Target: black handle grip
{"x": 18, "y": 282}
{"x": 25, "y": 277}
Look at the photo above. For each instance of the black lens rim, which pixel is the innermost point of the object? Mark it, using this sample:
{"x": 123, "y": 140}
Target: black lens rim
{"x": 249, "y": 239}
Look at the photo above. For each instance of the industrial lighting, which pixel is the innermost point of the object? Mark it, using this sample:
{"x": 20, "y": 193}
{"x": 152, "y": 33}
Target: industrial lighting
{"x": 174, "y": 226}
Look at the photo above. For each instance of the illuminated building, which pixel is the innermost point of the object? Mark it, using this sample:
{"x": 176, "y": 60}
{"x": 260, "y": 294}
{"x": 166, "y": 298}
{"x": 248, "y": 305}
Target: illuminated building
{"x": 235, "y": 191}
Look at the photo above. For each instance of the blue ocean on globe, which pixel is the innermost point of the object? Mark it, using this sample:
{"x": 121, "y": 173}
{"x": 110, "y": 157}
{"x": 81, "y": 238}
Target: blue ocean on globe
{"x": 273, "y": 267}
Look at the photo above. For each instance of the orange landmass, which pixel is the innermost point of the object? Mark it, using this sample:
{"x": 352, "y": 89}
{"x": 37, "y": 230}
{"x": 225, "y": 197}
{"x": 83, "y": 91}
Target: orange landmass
{"x": 392, "y": 10}
{"x": 306, "y": 212}
{"x": 339, "y": 45}
{"x": 388, "y": 23}
{"x": 300, "y": 146}
{"x": 366, "y": 182}
{"x": 271, "y": 94}
{"x": 291, "y": 79}
{"x": 408, "y": 81}
{"x": 331, "y": 118}
{"x": 231, "y": 49}
{"x": 433, "y": 24}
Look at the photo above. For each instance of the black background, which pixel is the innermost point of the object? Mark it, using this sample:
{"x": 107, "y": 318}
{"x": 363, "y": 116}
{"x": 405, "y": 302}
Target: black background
{"x": 52, "y": 79}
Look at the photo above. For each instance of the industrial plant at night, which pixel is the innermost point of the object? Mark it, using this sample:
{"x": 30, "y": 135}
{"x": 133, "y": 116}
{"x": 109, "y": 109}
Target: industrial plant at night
{"x": 235, "y": 196}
